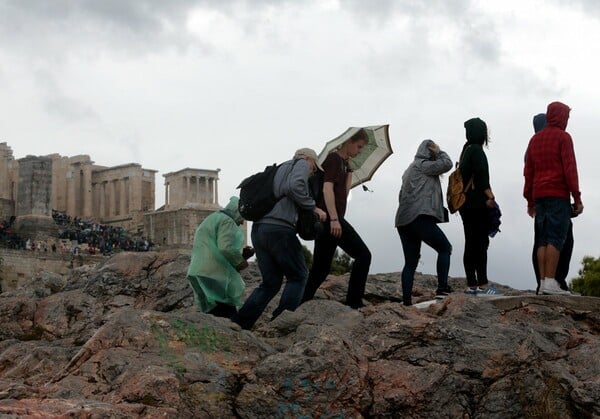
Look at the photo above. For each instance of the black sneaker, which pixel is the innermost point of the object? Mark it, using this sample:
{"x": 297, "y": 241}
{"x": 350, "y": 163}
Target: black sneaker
{"x": 441, "y": 294}
{"x": 449, "y": 289}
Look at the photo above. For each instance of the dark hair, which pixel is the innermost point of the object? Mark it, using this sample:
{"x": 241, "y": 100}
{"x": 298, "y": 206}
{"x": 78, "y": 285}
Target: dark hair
{"x": 359, "y": 135}
{"x": 476, "y": 131}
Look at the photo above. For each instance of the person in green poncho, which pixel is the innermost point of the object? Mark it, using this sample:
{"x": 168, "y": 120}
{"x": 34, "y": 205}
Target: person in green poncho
{"x": 218, "y": 255}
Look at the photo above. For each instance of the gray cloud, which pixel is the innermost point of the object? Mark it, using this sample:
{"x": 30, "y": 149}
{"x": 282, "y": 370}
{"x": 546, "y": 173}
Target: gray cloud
{"x": 590, "y": 7}
{"x": 416, "y": 8}
{"x": 58, "y": 25}
{"x": 59, "y": 104}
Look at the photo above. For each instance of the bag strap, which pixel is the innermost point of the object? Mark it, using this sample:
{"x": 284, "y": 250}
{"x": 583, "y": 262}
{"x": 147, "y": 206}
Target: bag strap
{"x": 471, "y": 182}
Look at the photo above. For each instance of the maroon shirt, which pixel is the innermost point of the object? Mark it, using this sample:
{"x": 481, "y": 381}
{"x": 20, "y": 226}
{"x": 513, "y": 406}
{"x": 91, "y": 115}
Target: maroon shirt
{"x": 336, "y": 171}
{"x": 550, "y": 166}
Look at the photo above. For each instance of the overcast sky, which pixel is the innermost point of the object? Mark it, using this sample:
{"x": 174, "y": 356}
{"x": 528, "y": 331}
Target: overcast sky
{"x": 237, "y": 85}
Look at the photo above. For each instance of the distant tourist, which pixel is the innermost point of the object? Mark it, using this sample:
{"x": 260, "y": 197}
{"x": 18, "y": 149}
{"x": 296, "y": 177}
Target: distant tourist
{"x": 420, "y": 209}
{"x": 278, "y": 250}
{"x": 218, "y": 254}
{"x": 551, "y": 179}
{"x": 475, "y": 211}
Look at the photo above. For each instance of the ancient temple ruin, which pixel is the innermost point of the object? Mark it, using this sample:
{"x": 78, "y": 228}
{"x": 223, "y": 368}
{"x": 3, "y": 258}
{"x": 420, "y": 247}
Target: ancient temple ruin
{"x": 31, "y": 187}
{"x": 190, "y": 196}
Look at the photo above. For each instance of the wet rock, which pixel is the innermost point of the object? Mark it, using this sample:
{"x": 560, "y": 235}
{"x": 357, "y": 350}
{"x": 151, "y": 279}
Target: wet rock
{"x": 123, "y": 339}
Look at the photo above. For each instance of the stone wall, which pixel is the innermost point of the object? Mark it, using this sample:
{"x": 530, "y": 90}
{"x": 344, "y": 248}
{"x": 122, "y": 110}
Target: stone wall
{"x": 35, "y": 186}
{"x": 173, "y": 227}
{"x": 7, "y": 208}
{"x": 18, "y": 266}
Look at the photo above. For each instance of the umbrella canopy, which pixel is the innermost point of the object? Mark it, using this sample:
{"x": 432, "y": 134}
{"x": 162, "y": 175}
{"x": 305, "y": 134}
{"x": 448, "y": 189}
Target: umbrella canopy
{"x": 372, "y": 155}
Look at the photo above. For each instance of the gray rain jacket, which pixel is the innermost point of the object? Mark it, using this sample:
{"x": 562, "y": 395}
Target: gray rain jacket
{"x": 421, "y": 192}
{"x": 291, "y": 182}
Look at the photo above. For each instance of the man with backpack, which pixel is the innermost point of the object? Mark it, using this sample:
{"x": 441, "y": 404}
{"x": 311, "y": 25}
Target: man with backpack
{"x": 278, "y": 250}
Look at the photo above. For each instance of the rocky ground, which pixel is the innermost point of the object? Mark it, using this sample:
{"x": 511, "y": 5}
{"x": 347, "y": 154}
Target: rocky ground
{"x": 122, "y": 340}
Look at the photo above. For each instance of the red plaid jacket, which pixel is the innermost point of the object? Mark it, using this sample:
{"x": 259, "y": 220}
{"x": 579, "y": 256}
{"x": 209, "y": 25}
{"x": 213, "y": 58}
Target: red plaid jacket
{"x": 550, "y": 165}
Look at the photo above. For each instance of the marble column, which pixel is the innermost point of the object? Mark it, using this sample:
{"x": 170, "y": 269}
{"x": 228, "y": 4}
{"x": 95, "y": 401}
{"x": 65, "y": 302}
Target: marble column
{"x": 166, "y": 195}
{"x": 87, "y": 191}
{"x": 206, "y": 189}
{"x": 124, "y": 192}
{"x": 102, "y": 199}
{"x": 216, "y": 188}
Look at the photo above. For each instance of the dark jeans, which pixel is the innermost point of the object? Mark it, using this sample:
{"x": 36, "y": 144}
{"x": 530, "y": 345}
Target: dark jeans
{"x": 279, "y": 254}
{"x": 475, "y": 225}
{"x": 552, "y": 220}
{"x": 223, "y": 310}
{"x": 351, "y": 243}
{"x": 562, "y": 270}
{"x": 423, "y": 229}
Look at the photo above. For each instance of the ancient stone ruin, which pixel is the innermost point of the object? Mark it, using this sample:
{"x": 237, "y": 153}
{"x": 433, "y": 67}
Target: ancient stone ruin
{"x": 122, "y": 196}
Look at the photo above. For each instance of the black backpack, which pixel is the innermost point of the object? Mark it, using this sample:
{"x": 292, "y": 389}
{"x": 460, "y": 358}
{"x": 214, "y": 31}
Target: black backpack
{"x": 256, "y": 194}
{"x": 308, "y": 226}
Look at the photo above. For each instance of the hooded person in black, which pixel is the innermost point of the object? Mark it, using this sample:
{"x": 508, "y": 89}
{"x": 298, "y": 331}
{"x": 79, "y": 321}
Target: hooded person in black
{"x": 562, "y": 270}
{"x": 474, "y": 212}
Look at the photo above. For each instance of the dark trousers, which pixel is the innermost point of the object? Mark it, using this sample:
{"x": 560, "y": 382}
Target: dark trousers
{"x": 423, "y": 229}
{"x": 475, "y": 225}
{"x": 562, "y": 270}
{"x": 279, "y": 254}
{"x": 351, "y": 243}
{"x": 223, "y": 310}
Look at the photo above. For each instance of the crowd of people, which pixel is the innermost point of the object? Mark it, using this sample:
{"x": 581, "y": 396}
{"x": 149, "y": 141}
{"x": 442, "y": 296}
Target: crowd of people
{"x": 75, "y": 235}
{"x": 551, "y": 180}
{"x": 99, "y": 238}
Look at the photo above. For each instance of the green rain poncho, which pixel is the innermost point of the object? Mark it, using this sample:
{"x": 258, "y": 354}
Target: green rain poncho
{"x": 217, "y": 250}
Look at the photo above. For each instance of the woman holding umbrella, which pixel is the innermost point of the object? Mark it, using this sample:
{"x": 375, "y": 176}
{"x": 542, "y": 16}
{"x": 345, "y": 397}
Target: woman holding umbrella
{"x": 337, "y": 180}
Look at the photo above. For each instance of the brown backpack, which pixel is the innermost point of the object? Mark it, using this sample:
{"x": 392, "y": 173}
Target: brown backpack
{"x": 456, "y": 193}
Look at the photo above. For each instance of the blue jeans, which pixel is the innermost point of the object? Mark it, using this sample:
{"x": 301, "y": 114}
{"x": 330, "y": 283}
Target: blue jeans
{"x": 279, "y": 254}
{"x": 352, "y": 244}
{"x": 423, "y": 229}
{"x": 552, "y": 219}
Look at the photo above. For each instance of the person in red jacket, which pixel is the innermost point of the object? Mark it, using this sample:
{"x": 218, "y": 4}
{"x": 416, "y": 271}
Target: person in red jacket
{"x": 550, "y": 180}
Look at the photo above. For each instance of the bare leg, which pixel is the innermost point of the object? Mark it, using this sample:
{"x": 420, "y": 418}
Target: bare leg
{"x": 548, "y": 260}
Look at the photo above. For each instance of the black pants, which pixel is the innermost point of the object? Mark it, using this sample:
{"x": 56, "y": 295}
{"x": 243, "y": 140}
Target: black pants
{"x": 562, "y": 270}
{"x": 223, "y": 310}
{"x": 475, "y": 224}
{"x": 351, "y": 243}
{"x": 423, "y": 229}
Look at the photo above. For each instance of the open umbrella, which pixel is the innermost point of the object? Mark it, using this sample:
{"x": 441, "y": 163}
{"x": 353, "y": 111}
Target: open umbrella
{"x": 372, "y": 155}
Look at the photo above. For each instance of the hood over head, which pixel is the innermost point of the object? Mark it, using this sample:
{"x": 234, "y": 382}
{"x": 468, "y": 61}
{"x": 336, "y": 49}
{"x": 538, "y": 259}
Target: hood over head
{"x": 557, "y": 115}
{"x": 423, "y": 151}
{"x": 539, "y": 122}
{"x": 233, "y": 211}
{"x": 476, "y": 131}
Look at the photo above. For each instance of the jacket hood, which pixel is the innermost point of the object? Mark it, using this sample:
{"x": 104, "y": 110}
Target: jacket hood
{"x": 539, "y": 122}
{"x": 557, "y": 115}
{"x": 476, "y": 131}
{"x": 232, "y": 209}
{"x": 423, "y": 150}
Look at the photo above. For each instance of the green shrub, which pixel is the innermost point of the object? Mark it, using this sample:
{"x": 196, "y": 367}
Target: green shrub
{"x": 588, "y": 281}
{"x": 341, "y": 263}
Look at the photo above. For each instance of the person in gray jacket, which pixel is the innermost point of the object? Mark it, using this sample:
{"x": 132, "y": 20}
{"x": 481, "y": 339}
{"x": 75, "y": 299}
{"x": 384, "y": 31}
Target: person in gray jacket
{"x": 420, "y": 209}
{"x": 278, "y": 250}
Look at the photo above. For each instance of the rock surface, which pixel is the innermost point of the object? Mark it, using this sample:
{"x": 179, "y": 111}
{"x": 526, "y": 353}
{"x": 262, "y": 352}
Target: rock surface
{"x": 123, "y": 339}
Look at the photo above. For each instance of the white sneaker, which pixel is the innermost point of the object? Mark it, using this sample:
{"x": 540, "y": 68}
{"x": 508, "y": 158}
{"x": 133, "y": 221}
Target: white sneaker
{"x": 551, "y": 287}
